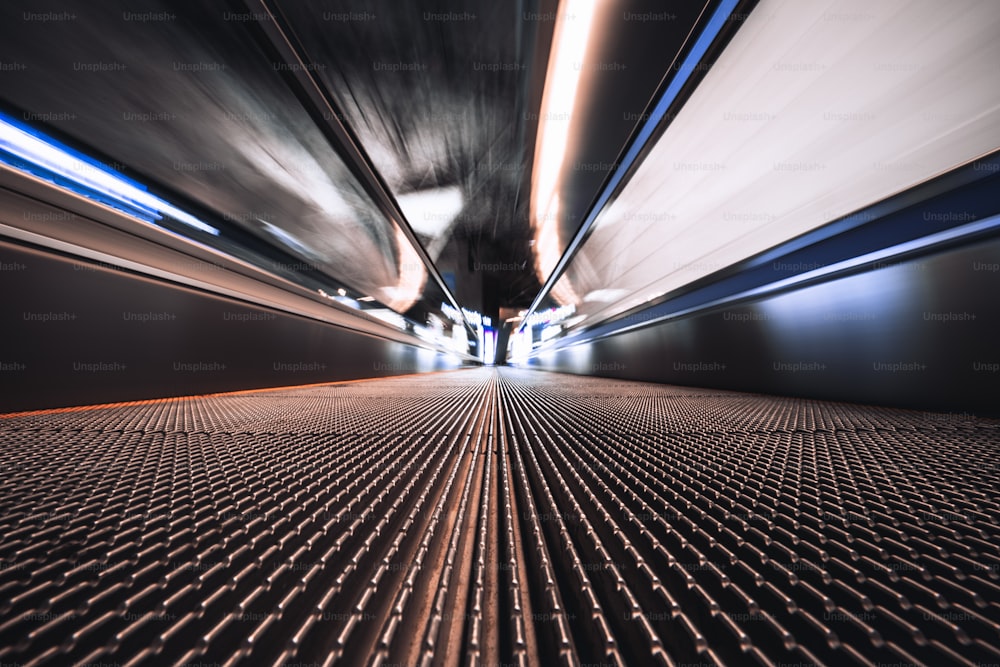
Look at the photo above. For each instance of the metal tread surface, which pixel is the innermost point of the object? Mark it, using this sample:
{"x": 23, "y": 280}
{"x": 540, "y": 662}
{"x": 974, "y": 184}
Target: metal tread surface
{"x": 492, "y": 517}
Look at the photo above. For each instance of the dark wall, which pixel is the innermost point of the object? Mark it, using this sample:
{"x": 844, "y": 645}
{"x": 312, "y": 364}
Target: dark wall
{"x": 922, "y": 334}
{"x": 74, "y": 333}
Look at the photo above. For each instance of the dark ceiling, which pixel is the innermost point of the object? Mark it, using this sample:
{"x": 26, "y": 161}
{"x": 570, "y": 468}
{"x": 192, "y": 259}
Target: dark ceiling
{"x": 197, "y": 100}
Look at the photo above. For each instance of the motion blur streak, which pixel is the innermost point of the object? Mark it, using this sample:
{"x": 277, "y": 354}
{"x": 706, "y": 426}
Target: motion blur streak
{"x": 873, "y": 107}
{"x": 567, "y": 61}
{"x": 38, "y": 154}
{"x": 677, "y": 321}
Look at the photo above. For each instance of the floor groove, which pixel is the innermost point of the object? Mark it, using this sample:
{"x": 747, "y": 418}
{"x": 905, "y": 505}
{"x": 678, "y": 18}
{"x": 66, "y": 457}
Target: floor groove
{"x": 499, "y": 517}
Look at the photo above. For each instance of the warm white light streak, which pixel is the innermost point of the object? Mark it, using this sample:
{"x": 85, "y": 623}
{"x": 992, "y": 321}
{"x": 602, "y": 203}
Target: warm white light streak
{"x": 567, "y": 60}
{"x": 814, "y": 110}
{"x": 412, "y": 276}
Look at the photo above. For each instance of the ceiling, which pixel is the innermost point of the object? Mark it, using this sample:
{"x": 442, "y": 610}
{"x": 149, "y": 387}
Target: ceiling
{"x": 382, "y": 148}
{"x": 436, "y": 163}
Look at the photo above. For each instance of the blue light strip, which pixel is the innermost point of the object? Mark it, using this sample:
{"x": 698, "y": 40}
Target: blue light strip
{"x": 701, "y": 45}
{"x": 27, "y": 150}
{"x": 896, "y": 254}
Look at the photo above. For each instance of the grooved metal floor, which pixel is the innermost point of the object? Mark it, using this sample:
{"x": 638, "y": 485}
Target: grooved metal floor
{"x": 497, "y": 517}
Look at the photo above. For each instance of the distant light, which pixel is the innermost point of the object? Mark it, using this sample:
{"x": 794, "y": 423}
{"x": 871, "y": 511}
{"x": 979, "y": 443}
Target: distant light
{"x": 426, "y": 333}
{"x": 474, "y": 318}
{"x": 388, "y": 316}
{"x": 459, "y": 342}
{"x": 551, "y": 332}
{"x": 551, "y": 316}
{"x": 489, "y": 347}
{"x": 342, "y": 292}
{"x": 32, "y": 152}
{"x": 347, "y": 301}
{"x": 519, "y": 345}
{"x": 451, "y": 312}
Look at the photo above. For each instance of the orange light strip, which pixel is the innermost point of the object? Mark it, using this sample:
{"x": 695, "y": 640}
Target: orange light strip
{"x": 238, "y": 392}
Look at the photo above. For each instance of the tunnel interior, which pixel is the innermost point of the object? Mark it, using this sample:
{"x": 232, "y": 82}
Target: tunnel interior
{"x": 491, "y": 333}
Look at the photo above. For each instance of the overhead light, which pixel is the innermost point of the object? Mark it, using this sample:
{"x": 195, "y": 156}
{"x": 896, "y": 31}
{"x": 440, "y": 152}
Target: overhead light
{"x": 432, "y": 211}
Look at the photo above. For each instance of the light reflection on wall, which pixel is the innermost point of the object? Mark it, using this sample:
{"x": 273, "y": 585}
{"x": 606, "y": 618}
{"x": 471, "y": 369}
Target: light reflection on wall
{"x": 862, "y": 306}
{"x": 574, "y": 23}
{"x": 412, "y": 276}
{"x": 804, "y": 118}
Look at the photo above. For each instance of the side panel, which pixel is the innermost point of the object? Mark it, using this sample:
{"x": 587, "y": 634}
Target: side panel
{"x": 75, "y": 333}
{"x": 923, "y": 334}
